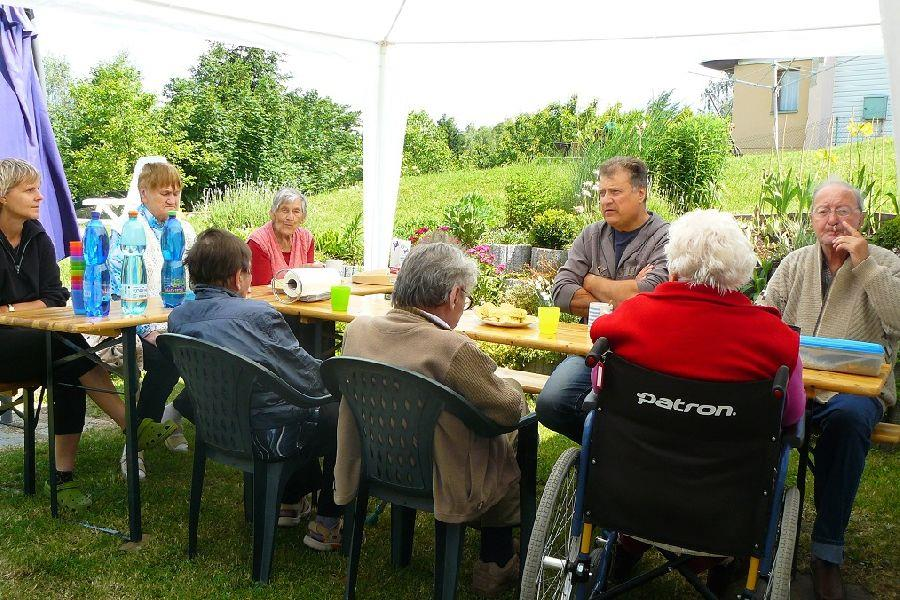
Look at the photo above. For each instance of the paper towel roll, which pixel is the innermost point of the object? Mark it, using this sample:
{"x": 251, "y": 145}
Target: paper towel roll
{"x": 303, "y": 283}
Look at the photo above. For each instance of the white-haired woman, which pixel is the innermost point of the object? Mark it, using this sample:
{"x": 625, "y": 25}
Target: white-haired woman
{"x": 474, "y": 476}
{"x": 282, "y": 242}
{"x": 698, "y": 325}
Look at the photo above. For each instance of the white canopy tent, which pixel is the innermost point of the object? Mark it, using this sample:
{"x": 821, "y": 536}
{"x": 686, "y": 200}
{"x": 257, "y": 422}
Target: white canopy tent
{"x": 397, "y": 48}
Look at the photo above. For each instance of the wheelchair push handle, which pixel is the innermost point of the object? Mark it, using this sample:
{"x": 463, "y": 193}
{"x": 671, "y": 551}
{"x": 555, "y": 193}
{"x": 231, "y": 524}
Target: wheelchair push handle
{"x": 600, "y": 347}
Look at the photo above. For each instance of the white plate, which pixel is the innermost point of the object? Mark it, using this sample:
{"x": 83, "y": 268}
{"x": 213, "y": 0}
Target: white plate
{"x": 529, "y": 321}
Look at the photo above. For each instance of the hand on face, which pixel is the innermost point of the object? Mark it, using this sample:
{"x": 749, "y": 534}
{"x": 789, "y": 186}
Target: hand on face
{"x": 852, "y": 243}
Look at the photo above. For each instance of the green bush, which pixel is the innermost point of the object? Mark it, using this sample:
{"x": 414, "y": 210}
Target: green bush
{"x": 554, "y": 229}
{"x": 469, "y": 218}
{"x": 425, "y": 148}
{"x": 346, "y": 244}
{"x": 240, "y": 208}
{"x": 527, "y": 195}
{"x": 888, "y": 235}
{"x": 688, "y": 161}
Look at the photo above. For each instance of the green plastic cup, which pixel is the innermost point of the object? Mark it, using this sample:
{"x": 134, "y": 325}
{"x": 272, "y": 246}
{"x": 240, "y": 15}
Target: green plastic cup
{"x": 340, "y": 298}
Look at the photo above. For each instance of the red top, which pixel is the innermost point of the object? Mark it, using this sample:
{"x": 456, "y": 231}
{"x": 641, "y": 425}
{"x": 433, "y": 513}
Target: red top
{"x": 696, "y": 333}
{"x": 262, "y": 266}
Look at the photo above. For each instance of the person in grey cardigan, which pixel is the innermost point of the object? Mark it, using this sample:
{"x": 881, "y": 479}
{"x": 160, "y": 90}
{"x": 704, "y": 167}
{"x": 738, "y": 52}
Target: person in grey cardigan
{"x": 610, "y": 261}
{"x": 840, "y": 287}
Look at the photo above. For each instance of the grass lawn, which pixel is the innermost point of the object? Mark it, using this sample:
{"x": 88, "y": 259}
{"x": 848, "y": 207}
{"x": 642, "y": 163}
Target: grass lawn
{"x": 43, "y": 557}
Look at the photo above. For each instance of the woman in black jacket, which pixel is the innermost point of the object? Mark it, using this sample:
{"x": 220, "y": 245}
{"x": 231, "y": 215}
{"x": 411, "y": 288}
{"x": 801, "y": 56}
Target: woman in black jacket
{"x": 29, "y": 279}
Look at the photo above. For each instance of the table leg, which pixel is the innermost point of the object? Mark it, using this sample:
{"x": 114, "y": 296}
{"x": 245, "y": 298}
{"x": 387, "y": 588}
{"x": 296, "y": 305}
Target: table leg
{"x": 51, "y": 428}
{"x": 28, "y": 422}
{"x": 130, "y": 377}
{"x": 317, "y": 337}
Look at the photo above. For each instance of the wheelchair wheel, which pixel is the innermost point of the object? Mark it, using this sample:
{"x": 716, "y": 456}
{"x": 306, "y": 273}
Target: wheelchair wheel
{"x": 552, "y": 546}
{"x": 779, "y": 585}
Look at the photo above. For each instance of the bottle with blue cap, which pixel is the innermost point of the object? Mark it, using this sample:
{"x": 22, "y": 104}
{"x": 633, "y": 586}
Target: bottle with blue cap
{"x": 95, "y": 289}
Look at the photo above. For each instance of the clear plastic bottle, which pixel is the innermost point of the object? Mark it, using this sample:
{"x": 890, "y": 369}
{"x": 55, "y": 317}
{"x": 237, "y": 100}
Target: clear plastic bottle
{"x": 172, "y": 278}
{"x": 134, "y": 273}
{"x": 95, "y": 287}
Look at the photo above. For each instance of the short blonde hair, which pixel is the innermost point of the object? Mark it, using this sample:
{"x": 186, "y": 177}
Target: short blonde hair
{"x": 708, "y": 247}
{"x": 156, "y": 175}
{"x": 14, "y": 171}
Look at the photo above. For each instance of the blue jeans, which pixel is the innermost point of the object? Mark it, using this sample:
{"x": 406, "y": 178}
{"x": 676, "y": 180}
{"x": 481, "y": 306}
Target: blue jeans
{"x": 559, "y": 403}
{"x": 846, "y": 425}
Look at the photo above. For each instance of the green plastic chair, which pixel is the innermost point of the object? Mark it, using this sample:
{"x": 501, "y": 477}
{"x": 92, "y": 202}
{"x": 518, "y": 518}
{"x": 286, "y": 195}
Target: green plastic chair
{"x": 396, "y": 412}
{"x": 221, "y": 383}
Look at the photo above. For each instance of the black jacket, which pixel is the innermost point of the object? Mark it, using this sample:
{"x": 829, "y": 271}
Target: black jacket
{"x": 30, "y": 272}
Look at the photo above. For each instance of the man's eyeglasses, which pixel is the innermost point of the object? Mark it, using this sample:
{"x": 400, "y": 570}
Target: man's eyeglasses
{"x": 842, "y": 212}
{"x": 468, "y": 302}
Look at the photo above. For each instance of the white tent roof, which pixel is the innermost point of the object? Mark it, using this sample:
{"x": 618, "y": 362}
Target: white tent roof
{"x": 396, "y": 47}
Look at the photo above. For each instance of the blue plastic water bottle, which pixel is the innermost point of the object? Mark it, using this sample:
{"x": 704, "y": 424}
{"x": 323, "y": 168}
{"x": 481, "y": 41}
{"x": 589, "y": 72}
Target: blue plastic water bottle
{"x": 96, "y": 274}
{"x": 173, "y": 281}
{"x": 134, "y": 273}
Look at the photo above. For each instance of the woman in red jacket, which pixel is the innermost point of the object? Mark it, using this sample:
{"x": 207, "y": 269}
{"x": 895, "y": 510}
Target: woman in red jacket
{"x": 283, "y": 242}
{"x": 699, "y": 326}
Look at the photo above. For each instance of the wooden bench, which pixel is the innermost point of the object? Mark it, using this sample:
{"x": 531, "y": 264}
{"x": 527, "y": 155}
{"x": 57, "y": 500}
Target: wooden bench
{"x": 533, "y": 383}
{"x": 886, "y": 433}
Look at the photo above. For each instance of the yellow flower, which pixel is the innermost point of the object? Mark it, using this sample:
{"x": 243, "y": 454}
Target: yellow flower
{"x": 866, "y": 129}
{"x": 853, "y": 128}
{"x": 825, "y": 156}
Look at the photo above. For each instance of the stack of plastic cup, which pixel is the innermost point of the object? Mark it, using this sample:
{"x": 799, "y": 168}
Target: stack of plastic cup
{"x": 76, "y": 268}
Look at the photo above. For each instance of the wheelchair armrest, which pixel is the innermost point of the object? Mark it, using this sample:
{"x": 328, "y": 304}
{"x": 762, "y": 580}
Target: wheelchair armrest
{"x": 795, "y": 434}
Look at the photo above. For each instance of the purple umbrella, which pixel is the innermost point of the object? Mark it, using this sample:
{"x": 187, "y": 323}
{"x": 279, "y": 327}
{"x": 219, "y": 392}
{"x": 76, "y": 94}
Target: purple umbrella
{"x": 25, "y": 130}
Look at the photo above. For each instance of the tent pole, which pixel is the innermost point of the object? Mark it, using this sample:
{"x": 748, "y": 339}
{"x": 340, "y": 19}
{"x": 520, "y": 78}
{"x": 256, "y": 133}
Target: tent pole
{"x": 890, "y": 32}
{"x": 36, "y": 54}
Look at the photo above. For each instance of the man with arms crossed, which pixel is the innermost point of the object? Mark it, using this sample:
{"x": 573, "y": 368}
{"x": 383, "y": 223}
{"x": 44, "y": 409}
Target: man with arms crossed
{"x": 610, "y": 261}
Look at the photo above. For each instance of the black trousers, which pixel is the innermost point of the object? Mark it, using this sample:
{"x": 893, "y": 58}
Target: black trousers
{"x": 23, "y": 356}
{"x": 159, "y": 380}
{"x": 311, "y": 476}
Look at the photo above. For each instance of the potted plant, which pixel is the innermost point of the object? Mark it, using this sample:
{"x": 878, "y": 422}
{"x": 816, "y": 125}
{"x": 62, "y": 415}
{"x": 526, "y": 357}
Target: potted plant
{"x": 551, "y": 233}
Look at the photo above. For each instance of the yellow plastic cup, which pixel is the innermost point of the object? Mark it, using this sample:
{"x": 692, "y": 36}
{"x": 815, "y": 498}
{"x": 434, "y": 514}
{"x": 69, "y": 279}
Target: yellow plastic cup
{"x": 340, "y": 298}
{"x": 548, "y": 320}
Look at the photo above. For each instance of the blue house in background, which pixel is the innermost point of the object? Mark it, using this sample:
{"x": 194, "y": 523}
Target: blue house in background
{"x": 845, "y": 89}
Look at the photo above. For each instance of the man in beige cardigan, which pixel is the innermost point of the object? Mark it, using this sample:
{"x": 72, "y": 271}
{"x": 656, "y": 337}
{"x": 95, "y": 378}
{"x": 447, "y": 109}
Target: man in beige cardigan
{"x": 475, "y": 478}
{"x": 841, "y": 287}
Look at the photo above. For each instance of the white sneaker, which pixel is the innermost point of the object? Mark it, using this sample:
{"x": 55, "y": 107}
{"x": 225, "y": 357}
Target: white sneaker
{"x": 142, "y": 469}
{"x": 290, "y": 515}
{"x": 177, "y": 442}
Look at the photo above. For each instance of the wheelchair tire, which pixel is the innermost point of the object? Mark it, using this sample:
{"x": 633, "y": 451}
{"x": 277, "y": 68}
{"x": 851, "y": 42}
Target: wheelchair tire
{"x": 779, "y": 586}
{"x": 551, "y": 536}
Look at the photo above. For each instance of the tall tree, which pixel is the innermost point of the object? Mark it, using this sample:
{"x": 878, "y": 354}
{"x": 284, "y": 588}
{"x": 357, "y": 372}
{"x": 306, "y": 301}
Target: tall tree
{"x": 113, "y": 123}
{"x": 247, "y": 125}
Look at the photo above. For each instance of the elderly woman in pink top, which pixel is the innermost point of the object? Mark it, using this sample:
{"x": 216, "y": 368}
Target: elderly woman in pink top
{"x": 282, "y": 242}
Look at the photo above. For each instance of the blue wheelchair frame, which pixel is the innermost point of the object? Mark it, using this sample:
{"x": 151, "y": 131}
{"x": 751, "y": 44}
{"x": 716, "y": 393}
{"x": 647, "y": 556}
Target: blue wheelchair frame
{"x": 581, "y": 570}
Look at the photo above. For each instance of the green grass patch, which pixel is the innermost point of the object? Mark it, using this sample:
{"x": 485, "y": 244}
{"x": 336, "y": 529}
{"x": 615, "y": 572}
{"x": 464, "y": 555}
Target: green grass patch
{"x": 60, "y": 559}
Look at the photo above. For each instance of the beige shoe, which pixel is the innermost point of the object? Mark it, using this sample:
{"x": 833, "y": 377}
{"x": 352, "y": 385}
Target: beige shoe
{"x": 290, "y": 515}
{"x": 142, "y": 468}
{"x": 177, "y": 442}
{"x": 323, "y": 539}
{"x": 490, "y": 580}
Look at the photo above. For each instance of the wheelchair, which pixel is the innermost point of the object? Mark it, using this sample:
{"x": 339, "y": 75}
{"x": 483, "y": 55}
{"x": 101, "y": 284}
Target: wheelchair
{"x": 698, "y": 467}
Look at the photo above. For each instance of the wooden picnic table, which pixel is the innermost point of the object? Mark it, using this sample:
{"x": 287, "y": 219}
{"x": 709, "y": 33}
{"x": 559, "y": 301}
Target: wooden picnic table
{"x": 367, "y": 300}
{"x": 123, "y": 329}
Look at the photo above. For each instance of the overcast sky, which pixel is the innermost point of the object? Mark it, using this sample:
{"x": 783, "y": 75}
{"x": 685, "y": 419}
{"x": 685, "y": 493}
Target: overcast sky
{"x": 161, "y": 53}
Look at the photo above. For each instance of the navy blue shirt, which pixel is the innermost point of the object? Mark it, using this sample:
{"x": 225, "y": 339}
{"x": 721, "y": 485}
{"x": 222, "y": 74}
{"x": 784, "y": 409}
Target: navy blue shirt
{"x": 621, "y": 239}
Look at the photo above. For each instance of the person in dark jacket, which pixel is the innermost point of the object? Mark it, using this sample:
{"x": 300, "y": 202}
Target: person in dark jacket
{"x": 220, "y": 266}
{"x": 29, "y": 279}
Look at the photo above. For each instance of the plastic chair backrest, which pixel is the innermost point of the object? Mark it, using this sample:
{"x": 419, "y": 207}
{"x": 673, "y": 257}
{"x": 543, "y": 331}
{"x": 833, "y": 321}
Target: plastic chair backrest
{"x": 685, "y": 462}
{"x": 221, "y": 384}
{"x": 396, "y": 412}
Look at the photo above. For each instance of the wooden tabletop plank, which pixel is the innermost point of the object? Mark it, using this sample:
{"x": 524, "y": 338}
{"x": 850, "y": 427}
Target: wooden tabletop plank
{"x": 63, "y": 319}
{"x": 847, "y": 383}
